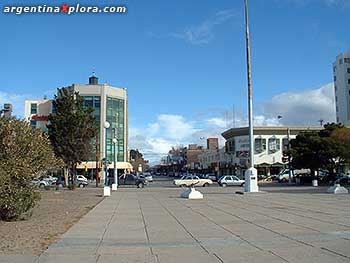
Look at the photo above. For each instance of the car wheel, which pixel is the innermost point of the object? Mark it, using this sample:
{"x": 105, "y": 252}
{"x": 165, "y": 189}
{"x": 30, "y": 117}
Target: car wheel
{"x": 41, "y": 185}
{"x": 205, "y": 185}
{"x": 81, "y": 185}
{"x": 224, "y": 185}
{"x": 140, "y": 185}
{"x": 242, "y": 184}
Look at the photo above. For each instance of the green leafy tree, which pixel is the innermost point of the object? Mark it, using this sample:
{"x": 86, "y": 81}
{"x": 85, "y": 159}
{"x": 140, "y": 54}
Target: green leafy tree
{"x": 24, "y": 154}
{"x": 328, "y": 149}
{"x": 71, "y": 129}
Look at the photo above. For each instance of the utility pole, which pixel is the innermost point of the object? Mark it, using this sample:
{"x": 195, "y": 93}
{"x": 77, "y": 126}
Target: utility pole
{"x": 97, "y": 160}
{"x": 251, "y": 177}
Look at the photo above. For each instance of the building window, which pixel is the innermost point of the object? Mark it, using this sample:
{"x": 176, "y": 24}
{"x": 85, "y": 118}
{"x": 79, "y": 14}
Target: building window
{"x": 115, "y": 116}
{"x": 340, "y": 61}
{"x": 336, "y": 98}
{"x": 336, "y": 108}
{"x": 260, "y": 145}
{"x": 33, "y": 108}
{"x": 94, "y": 102}
{"x": 334, "y": 68}
{"x": 33, "y": 124}
{"x": 347, "y": 60}
{"x": 337, "y": 119}
{"x": 335, "y": 78}
{"x": 348, "y": 81}
{"x": 285, "y": 144}
{"x": 274, "y": 145}
{"x": 335, "y": 88}
{"x": 348, "y": 70}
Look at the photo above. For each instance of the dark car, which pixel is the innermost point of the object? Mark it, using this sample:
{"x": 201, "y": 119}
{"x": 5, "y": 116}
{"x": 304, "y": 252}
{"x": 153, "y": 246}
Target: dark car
{"x": 130, "y": 179}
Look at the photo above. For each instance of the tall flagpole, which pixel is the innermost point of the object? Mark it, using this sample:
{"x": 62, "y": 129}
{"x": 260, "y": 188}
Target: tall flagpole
{"x": 251, "y": 178}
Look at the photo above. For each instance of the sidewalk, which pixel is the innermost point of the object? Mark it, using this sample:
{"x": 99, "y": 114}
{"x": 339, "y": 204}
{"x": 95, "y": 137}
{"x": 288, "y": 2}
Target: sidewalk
{"x": 154, "y": 225}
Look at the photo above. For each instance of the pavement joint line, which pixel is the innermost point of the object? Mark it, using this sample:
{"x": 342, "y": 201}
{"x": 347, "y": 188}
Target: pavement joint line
{"x": 275, "y": 254}
{"x": 184, "y": 227}
{"x": 303, "y": 216}
{"x": 334, "y": 252}
{"x": 146, "y": 231}
{"x": 243, "y": 239}
{"x": 279, "y": 219}
{"x": 305, "y": 209}
{"x": 224, "y": 228}
{"x": 106, "y": 228}
{"x": 268, "y": 229}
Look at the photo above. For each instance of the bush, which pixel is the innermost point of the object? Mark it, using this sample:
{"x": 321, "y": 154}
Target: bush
{"x": 24, "y": 153}
{"x": 17, "y": 200}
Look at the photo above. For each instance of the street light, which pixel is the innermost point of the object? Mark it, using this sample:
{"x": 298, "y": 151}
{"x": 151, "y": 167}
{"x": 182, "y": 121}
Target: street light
{"x": 106, "y": 189}
{"x": 115, "y": 173}
{"x": 251, "y": 175}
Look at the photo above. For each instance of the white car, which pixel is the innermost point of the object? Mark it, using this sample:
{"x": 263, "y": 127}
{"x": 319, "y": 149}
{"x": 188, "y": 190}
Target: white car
{"x": 230, "y": 180}
{"x": 189, "y": 180}
{"x": 81, "y": 178}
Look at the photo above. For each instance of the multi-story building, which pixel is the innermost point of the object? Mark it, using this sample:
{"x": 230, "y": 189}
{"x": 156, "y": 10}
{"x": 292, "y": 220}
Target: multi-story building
{"x": 192, "y": 153}
{"x": 213, "y": 144}
{"x": 217, "y": 161}
{"x": 269, "y": 144}
{"x": 37, "y": 112}
{"x": 341, "y": 70}
{"x": 109, "y": 104}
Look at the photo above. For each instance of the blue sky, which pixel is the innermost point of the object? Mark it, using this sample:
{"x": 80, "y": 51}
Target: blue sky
{"x": 183, "y": 62}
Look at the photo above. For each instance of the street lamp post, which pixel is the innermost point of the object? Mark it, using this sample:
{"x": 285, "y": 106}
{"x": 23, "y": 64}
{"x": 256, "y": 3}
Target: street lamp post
{"x": 106, "y": 189}
{"x": 115, "y": 173}
{"x": 251, "y": 175}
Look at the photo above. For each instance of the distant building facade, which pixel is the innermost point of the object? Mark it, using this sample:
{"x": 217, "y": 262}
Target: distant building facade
{"x": 341, "y": 70}
{"x": 213, "y": 144}
{"x": 269, "y": 144}
{"x": 37, "y": 113}
{"x": 192, "y": 153}
{"x": 109, "y": 104}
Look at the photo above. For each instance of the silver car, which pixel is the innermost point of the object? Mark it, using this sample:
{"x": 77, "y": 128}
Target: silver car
{"x": 230, "y": 180}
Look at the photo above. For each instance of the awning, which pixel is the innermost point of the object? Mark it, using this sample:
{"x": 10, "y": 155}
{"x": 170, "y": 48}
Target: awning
{"x": 92, "y": 165}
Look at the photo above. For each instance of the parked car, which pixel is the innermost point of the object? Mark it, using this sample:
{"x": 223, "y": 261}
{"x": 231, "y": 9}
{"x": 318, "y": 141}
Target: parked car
{"x": 39, "y": 182}
{"x": 212, "y": 177}
{"x": 79, "y": 182}
{"x": 81, "y": 178}
{"x": 189, "y": 180}
{"x": 148, "y": 177}
{"x": 228, "y": 180}
{"x": 131, "y": 179}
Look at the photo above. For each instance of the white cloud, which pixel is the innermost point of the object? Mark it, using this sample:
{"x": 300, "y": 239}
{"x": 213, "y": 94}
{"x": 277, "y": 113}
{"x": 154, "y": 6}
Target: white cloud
{"x": 203, "y": 33}
{"x": 302, "y": 107}
{"x": 296, "y": 108}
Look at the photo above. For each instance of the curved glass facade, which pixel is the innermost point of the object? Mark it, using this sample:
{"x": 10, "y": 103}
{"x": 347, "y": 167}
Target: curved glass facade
{"x": 115, "y": 116}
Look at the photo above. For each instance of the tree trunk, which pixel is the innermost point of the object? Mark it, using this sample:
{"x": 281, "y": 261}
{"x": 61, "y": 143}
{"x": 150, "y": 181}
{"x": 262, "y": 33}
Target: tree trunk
{"x": 66, "y": 171}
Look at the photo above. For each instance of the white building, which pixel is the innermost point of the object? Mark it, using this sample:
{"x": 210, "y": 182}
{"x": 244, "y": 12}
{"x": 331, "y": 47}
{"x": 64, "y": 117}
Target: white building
{"x": 37, "y": 112}
{"x": 341, "y": 69}
{"x": 110, "y": 104}
{"x": 269, "y": 144}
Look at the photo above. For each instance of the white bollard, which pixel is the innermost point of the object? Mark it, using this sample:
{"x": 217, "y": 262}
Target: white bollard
{"x": 106, "y": 191}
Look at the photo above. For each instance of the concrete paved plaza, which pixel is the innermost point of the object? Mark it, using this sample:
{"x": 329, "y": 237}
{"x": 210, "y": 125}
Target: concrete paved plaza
{"x": 289, "y": 224}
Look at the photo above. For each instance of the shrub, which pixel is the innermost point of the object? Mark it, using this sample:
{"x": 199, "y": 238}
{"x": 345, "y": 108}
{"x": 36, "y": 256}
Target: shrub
{"x": 24, "y": 153}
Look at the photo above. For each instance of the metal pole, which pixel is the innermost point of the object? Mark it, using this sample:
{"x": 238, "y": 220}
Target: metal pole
{"x": 289, "y": 160}
{"x": 251, "y": 180}
{"x": 115, "y": 159}
{"x": 97, "y": 160}
{"x": 106, "y": 162}
{"x": 250, "y": 95}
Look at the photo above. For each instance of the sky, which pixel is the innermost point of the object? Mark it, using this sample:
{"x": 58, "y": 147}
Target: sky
{"x": 182, "y": 62}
